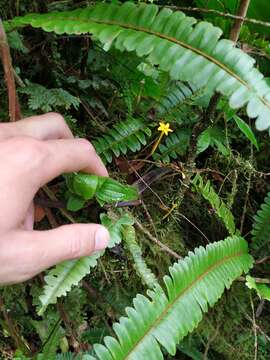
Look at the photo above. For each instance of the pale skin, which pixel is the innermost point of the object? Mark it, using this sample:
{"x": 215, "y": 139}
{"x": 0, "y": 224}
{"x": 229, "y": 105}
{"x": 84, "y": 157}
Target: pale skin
{"x": 34, "y": 151}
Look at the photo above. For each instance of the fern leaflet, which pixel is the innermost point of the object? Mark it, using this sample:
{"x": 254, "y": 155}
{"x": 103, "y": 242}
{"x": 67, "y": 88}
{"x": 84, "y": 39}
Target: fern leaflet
{"x": 175, "y": 144}
{"x": 209, "y": 194}
{"x": 188, "y": 50}
{"x": 129, "y": 237}
{"x": 125, "y": 135}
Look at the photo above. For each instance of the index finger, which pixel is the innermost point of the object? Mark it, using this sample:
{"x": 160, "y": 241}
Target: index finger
{"x": 69, "y": 155}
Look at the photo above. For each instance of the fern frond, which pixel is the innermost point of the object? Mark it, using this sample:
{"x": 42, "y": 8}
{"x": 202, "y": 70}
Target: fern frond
{"x": 175, "y": 144}
{"x": 63, "y": 276}
{"x": 165, "y": 318}
{"x": 126, "y": 135}
{"x": 41, "y": 98}
{"x": 261, "y": 226}
{"x": 129, "y": 237}
{"x": 188, "y": 50}
{"x": 221, "y": 209}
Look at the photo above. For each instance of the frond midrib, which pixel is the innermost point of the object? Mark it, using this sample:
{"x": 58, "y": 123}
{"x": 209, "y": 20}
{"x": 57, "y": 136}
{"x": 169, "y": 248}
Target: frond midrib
{"x": 170, "y": 305}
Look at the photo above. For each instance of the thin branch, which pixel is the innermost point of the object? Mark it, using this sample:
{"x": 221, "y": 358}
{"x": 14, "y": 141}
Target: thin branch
{"x": 254, "y": 329}
{"x": 219, "y": 13}
{"x": 263, "y": 260}
{"x": 242, "y": 12}
{"x": 257, "y": 280}
{"x": 155, "y": 240}
{"x": 13, "y": 103}
{"x": 19, "y": 343}
{"x": 210, "y": 341}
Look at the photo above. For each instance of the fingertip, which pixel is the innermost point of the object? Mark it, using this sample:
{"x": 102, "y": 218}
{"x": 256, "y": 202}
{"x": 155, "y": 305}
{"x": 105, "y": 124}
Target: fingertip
{"x": 102, "y": 237}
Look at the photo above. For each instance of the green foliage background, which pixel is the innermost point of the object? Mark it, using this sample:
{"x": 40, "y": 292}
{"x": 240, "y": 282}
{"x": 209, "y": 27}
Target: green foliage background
{"x": 116, "y": 100}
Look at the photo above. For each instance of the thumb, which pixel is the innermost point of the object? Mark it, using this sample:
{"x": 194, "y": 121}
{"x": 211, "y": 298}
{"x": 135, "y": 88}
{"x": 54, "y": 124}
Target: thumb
{"x": 43, "y": 249}
{"x": 70, "y": 241}
{"x": 27, "y": 253}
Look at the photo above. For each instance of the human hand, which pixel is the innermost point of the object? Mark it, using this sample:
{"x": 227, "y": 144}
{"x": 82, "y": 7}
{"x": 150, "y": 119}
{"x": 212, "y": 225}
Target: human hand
{"x": 33, "y": 151}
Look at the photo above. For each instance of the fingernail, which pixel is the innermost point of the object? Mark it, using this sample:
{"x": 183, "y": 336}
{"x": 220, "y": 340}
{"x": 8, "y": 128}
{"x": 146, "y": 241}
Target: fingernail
{"x": 101, "y": 238}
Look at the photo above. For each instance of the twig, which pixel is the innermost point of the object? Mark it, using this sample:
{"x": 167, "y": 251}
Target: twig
{"x": 52, "y": 197}
{"x": 149, "y": 218}
{"x": 191, "y": 223}
{"x": 250, "y": 319}
{"x": 212, "y": 338}
{"x": 247, "y": 191}
{"x": 245, "y": 203}
{"x": 192, "y": 152}
{"x": 263, "y": 260}
{"x": 242, "y": 12}
{"x": 13, "y": 103}
{"x": 155, "y": 240}
{"x": 12, "y": 329}
{"x": 219, "y": 13}
{"x": 260, "y": 308}
{"x": 257, "y": 280}
{"x": 254, "y": 329}
{"x": 68, "y": 323}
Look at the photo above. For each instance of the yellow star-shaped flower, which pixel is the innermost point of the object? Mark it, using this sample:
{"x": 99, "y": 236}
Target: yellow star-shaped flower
{"x": 164, "y": 128}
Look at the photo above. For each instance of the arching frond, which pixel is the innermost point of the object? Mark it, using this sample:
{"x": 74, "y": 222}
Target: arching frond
{"x": 188, "y": 50}
{"x": 165, "y": 317}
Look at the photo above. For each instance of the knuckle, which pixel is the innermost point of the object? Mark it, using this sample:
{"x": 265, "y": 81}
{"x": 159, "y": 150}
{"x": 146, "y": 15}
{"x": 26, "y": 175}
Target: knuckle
{"x": 31, "y": 148}
{"x": 34, "y": 147}
{"x": 87, "y": 145}
{"x": 57, "y": 117}
{"x": 76, "y": 244}
{"x": 61, "y": 123}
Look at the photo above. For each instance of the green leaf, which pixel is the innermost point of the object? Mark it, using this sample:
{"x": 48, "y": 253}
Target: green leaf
{"x": 115, "y": 227}
{"x": 263, "y": 291}
{"x": 204, "y": 141}
{"x": 112, "y": 191}
{"x": 166, "y": 317}
{"x": 246, "y": 130}
{"x": 85, "y": 185}
{"x": 75, "y": 203}
{"x": 215, "y": 137}
{"x": 106, "y": 190}
{"x": 188, "y": 50}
